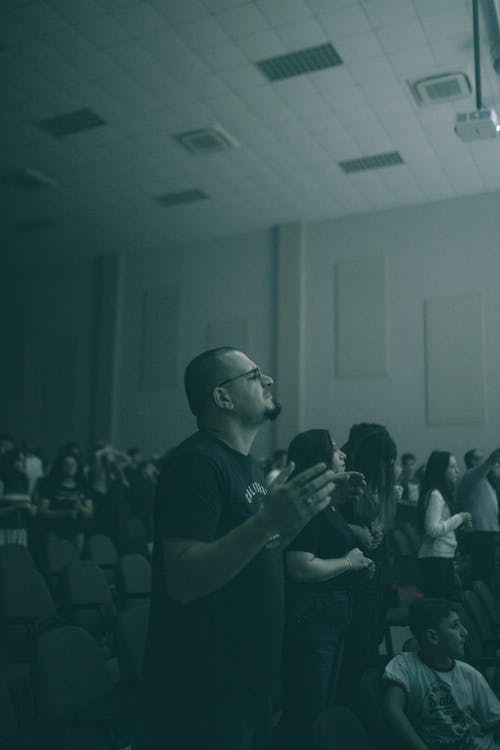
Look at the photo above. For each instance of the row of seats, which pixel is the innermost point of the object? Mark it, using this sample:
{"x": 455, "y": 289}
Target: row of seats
{"x": 67, "y": 640}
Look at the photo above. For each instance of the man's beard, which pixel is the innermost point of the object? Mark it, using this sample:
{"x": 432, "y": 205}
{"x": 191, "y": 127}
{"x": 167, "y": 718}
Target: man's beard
{"x": 273, "y": 411}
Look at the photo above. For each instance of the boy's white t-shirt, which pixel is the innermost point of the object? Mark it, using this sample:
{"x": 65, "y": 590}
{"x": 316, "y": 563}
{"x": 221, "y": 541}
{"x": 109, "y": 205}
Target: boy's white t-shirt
{"x": 452, "y": 710}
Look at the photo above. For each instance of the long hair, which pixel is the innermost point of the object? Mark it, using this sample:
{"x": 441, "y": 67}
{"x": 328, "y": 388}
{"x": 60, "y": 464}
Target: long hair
{"x": 371, "y": 451}
{"x": 435, "y": 479}
{"x": 309, "y": 448}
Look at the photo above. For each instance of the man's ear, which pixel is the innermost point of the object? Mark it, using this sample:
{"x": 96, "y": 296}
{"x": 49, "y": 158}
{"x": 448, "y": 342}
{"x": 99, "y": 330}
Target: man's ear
{"x": 222, "y": 398}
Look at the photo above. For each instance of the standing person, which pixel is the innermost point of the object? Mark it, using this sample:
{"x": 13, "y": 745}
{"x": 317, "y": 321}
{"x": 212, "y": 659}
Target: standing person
{"x": 65, "y": 508}
{"x": 371, "y": 451}
{"x": 214, "y": 642}
{"x": 476, "y": 493}
{"x": 16, "y": 508}
{"x": 438, "y": 521}
{"x": 407, "y": 505}
{"x": 320, "y": 563}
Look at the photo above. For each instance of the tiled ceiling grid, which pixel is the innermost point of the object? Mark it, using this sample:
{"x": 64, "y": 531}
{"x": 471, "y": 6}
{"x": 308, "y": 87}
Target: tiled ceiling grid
{"x": 152, "y": 70}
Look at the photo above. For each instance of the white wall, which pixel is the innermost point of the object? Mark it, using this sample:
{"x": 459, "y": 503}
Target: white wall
{"x": 233, "y": 278}
{"x": 436, "y": 250}
{"x": 447, "y": 248}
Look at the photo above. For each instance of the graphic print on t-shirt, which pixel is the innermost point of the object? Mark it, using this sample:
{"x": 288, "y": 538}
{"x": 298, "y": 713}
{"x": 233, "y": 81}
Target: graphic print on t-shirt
{"x": 442, "y": 723}
{"x": 254, "y": 495}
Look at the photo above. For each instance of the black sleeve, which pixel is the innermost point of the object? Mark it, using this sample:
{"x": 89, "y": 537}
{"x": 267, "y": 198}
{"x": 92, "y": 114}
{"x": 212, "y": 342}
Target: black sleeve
{"x": 307, "y": 539}
{"x": 188, "y": 499}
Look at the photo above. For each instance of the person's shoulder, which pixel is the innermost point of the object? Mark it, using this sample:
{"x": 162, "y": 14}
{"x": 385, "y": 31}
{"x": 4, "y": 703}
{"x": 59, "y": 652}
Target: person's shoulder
{"x": 436, "y": 496}
{"x": 399, "y": 670}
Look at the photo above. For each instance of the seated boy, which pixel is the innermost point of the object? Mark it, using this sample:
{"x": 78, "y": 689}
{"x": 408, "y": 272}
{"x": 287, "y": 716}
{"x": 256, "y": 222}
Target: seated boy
{"x": 433, "y": 702}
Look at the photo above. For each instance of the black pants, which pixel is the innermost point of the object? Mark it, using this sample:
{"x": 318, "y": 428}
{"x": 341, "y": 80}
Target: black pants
{"x": 437, "y": 577}
{"x": 208, "y": 725}
{"x": 482, "y": 548}
{"x": 313, "y": 647}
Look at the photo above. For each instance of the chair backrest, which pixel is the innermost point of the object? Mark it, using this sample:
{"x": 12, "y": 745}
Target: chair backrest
{"x": 133, "y": 579}
{"x": 102, "y": 550}
{"x": 69, "y": 672}
{"x": 26, "y": 603}
{"x": 371, "y": 709}
{"x": 131, "y": 632}
{"x": 8, "y": 721}
{"x": 480, "y": 614}
{"x": 338, "y": 728}
{"x": 87, "y": 597}
{"x": 57, "y": 554}
{"x": 14, "y": 556}
{"x": 489, "y": 601}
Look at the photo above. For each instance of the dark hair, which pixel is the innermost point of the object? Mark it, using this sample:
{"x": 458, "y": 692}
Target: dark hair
{"x": 469, "y": 457}
{"x": 428, "y": 613}
{"x": 371, "y": 451}
{"x": 309, "y": 448}
{"x": 202, "y": 375}
{"x": 55, "y": 474}
{"x": 407, "y": 457}
{"x": 435, "y": 479}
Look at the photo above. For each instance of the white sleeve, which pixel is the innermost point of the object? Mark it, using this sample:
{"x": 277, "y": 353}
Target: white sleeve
{"x": 486, "y": 704}
{"x": 433, "y": 522}
{"x": 396, "y": 673}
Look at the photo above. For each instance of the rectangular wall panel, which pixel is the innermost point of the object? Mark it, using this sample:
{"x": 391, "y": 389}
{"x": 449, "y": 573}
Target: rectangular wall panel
{"x": 361, "y": 318}
{"x": 455, "y": 360}
{"x": 160, "y": 338}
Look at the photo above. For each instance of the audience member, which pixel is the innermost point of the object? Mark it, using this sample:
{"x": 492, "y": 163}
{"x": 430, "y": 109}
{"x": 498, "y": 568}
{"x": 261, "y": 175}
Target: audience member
{"x": 33, "y": 464}
{"x": 407, "y": 505}
{"x": 371, "y": 451}
{"x": 16, "y": 507}
{"x": 476, "y": 493}
{"x": 65, "y": 508}
{"x": 437, "y": 521}
{"x": 214, "y": 643}
{"x": 434, "y": 701}
{"x": 320, "y": 562}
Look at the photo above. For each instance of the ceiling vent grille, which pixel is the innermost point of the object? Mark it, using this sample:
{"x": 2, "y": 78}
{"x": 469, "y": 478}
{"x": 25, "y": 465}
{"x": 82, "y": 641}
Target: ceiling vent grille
{"x": 299, "y": 63}
{"x": 71, "y": 123}
{"x": 28, "y": 179}
{"x": 186, "y": 196}
{"x": 441, "y": 88}
{"x": 206, "y": 140}
{"x": 366, "y": 163}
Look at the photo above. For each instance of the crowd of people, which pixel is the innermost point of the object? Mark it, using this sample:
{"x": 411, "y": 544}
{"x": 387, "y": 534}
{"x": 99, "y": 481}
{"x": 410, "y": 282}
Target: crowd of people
{"x": 72, "y": 496}
{"x": 271, "y": 583}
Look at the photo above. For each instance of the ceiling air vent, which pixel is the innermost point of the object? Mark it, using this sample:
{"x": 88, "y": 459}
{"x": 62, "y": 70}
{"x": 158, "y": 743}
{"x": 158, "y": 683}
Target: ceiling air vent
{"x": 299, "y": 63}
{"x": 366, "y": 163}
{"x": 206, "y": 140}
{"x": 176, "y": 199}
{"x": 440, "y": 88}
{"x": 71, "y": 123}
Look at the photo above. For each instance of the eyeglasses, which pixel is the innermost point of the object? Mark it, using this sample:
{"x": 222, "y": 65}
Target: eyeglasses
{"x": 254, "y": 374}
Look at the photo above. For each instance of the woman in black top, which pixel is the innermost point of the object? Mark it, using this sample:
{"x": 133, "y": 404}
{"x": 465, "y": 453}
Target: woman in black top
{"x": 320, "y": 563}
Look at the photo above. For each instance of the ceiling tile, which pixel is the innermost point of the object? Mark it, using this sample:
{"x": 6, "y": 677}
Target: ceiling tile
{"x": 402, "y": 35}
{"x": 276, "y": 11}
{"x": 139, "y": 20}
{"x": 242, "y": 20}
{"x": 203, "y": 32}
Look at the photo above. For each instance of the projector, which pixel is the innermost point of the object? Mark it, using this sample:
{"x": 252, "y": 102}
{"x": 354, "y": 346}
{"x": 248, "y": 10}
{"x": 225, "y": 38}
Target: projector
{"x": 475, "y": 126}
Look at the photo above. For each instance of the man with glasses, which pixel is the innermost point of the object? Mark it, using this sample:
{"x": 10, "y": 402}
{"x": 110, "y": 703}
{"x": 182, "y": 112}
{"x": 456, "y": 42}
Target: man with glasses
{"x": 214, "y": 641}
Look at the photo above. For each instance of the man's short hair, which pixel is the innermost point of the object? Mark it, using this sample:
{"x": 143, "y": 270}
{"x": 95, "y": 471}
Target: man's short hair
{"x": 469, "y": 458}
{"x": 428, "y": 613}
{"x": 407, "y": 457}
{"x": 202, "y": 375}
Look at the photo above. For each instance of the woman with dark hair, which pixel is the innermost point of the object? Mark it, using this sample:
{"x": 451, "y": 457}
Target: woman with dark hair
{"x": 437, "y": 521}
{"x": 321, "y": 563}
{"x": 371, "y": 451}
{"x": 65, "y": 508}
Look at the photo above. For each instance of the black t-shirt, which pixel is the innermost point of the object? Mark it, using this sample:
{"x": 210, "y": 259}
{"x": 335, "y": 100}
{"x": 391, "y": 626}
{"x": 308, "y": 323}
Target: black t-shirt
{"x": 228, "y": 643}
{"x": 326, "y": 536}
{"x": 63, "y": 498}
